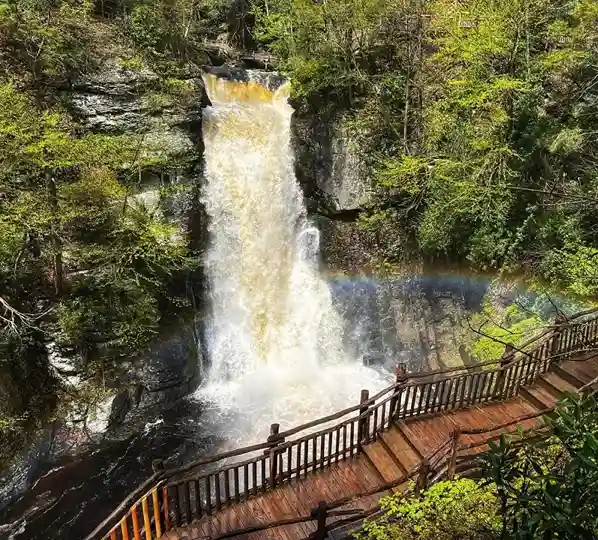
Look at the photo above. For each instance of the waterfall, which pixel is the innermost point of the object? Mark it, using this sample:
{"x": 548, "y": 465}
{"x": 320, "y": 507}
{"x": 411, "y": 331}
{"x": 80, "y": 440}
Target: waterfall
{"x": 275, "y": 341}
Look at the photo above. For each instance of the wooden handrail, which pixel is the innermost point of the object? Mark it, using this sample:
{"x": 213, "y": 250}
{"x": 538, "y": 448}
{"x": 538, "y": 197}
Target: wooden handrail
{"x": 286, "y": 458}
{"x": 439, "y": 471}
{"x": 120, "y": 509}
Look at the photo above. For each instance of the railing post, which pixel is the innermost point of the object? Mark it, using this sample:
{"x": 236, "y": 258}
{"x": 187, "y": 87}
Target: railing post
{"x": 452, "y": 466}
{"x": 275, "y": 439}
{"x": 401, "y": 379}
{"x": 505, "y": 360}
{"x": 320, "y": 513}
{"x": 421, "y": 484}
{"x": 559, "y": 321}
{"x": 162, "y": 518}
{"x": 363, "y": 425}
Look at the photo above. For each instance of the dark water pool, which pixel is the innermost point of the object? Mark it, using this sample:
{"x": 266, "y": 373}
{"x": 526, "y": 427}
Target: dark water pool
{"x": 69, "y": 499}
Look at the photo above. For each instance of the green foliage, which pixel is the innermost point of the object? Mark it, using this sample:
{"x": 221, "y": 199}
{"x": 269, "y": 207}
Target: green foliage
{"x": 44, "y": 40}
{"x": 574, "y": 268}
{"x": 548, "y": 489}
{"x": 79, "y": 263}
{"x": 168, "y": 32}
{"x": 107, "y": 320}
{"x": 332, "y": 48}
{"x": 447, "y": 511}
{"x": 476, "y": 117}
{"x": 515, "y": 325}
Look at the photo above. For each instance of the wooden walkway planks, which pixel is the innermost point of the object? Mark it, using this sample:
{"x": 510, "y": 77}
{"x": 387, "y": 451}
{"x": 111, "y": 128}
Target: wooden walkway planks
{"x": 397, "y": 451}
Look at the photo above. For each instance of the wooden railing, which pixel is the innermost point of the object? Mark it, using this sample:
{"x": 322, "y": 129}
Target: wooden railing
{"x": 183, "y": 495}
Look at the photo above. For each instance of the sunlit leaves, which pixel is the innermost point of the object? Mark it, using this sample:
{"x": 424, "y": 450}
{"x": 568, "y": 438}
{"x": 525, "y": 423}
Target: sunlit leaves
{"x": 447, "y": 511}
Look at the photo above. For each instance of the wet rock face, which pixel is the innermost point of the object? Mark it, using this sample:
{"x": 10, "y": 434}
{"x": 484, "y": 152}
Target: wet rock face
{"x": 151, "y": 384}
{"x": 416, "y": 320}
{"x": 18, "y": 476}
{"x": 129, "y": 101}
{"x": 329, "y": 168}
{"x": 169, "y": 372}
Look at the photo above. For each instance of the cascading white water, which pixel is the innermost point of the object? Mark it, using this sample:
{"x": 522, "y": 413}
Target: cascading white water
{"x": 274, "y": 339}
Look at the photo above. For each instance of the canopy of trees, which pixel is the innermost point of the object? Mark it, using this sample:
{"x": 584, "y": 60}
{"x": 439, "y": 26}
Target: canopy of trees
{"x": 84, "y": 266}
{"x": 477, "y": 117}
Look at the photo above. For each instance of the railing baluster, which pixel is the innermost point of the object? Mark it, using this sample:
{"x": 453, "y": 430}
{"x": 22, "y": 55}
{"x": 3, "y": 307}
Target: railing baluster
{"x": 237, "y": 488}
{"x": 514, "y": 379}
{"x": 124, "y": 530}
{"x": 466, "y": 379}
{"x": 520, "y": 375}
{"x": 209, "y": 494}
{"x": 484, "y": 378}
{"x": 176, "y": 505}
{"x": 383, "y": 415}
{"x": 338, "y": 440}
{"x": 429, "y": 392}
{"x": 156, "y": 505}
{"x": 322, "y": 451}
{"x": 470, "y": 387}
{"x": 493, "y": 384}
{"x": 482, "y": 386}
{"x": 443, "y": 392}
{"x": 289, "y": 462}
{"x": 306, "y": 457}
{"x": 407, "y": 401}
{"x": 399, "y": 407}
{"x": 263, "y": 473}
{"x": 352, "y": 439}
{"x": 146, "y": 519}
{"x": 329, "y": 447}
{"x": 246, "y": 481}
{"x": 435, "y": 398}
{"x": 227, "y": 497}
{"x": 299, "y": 459}
{"x": 421, "y": 398}
{"x": 540, "y": 362}
{"x": 413, "y": 399}
{"x": 135, "y": 519}
{"x": 569, "y": 342}
{"x": 545, "y": 358}
{"x": 166, "y": 509}
{"x": 217, "y": 494}
{"x": 187, "y": 488}
{"x": 254, "y": 478}
{"x": 375, "y": 428}
{"x": 447, "y": 393}
{"x": 534, "y": 361}
{"x": 458, "y": 387}
{"x": 198, "y": 511}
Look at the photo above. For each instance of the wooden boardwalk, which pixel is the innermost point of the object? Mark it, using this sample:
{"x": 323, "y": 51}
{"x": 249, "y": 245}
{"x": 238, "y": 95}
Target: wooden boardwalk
{"x": 332, "y": 471}
{"x": 397, "y": 451}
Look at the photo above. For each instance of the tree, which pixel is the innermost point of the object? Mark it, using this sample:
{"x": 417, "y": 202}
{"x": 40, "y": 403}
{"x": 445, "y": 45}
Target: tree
{"x": 548, "y": 489}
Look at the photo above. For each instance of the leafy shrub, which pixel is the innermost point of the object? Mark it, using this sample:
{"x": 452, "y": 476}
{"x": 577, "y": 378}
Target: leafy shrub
{"x": 447, "y": 511}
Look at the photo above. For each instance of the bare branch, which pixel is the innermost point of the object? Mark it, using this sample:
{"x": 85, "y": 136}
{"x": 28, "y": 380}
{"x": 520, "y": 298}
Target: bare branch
{"x": 12, "y": 319}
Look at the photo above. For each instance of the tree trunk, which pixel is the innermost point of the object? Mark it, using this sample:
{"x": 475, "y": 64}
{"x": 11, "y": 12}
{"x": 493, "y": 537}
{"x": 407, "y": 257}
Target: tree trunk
{"x": 56, "y": 242}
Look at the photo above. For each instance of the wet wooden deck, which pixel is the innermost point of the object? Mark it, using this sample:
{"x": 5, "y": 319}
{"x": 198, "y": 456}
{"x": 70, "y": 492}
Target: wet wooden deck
{"x": 389, "y": 458}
